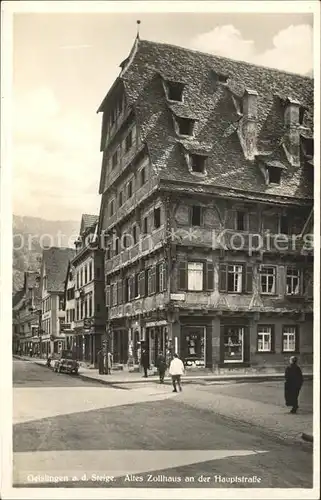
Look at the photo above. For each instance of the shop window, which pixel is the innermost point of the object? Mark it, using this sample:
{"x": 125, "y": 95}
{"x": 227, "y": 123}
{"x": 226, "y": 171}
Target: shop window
{"x": 157, "y": 218}
{"x": 233, "y": 344}
{"x": 175, "y": 91}
{"x": 194, "y": 347}
{"x": 290, "y": 339}
{"x": 197, "y": 163}
{"x": 268, "y": 280}
{"x": 293, "y": 281}
{"x": 196, "y": 215}
{"x": 264, "y": 338}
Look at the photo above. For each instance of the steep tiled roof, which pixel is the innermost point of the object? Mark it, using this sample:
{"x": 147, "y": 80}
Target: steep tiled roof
{"x": 87, "y": 221}
{"x": 56, "y": 262}
{"x": 214, "y": 107}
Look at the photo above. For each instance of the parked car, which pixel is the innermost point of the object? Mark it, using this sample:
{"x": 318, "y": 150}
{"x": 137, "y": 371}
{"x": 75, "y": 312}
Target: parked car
{"x": 66, "y": 364}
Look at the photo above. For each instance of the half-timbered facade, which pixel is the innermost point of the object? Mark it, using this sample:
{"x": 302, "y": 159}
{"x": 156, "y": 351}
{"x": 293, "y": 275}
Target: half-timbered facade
{"x": 207, "y": 187}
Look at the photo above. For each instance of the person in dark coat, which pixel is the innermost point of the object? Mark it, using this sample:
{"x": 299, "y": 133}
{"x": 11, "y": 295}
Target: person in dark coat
{"x": 293, "y": 384}
{"x": 145, "y": 361}
{"x": 100, "y": 362}
{"x": 161, "y": 366}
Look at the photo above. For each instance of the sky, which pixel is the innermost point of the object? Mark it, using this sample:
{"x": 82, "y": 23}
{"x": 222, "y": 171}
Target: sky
{"x": 64, "y": 64}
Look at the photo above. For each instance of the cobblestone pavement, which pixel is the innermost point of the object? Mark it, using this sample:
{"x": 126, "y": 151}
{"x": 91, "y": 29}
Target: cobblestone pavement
{"x": 71, "y": 434}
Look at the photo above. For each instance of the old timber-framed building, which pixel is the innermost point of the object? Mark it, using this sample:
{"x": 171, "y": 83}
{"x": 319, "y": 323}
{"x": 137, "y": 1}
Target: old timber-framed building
{"x": 207, "y": 166}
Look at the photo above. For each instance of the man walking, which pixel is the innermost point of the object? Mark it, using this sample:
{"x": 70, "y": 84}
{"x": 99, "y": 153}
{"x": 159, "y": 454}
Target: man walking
{"x": 145, "y": 361}
{"x": 176, "y": 370}
{"x": 161, "y": 366}
{"x": 293, "y": 384}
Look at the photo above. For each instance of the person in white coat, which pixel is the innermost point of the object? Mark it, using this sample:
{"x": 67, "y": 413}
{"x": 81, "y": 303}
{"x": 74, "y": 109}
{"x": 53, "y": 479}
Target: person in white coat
{"x": 176, "y": 370}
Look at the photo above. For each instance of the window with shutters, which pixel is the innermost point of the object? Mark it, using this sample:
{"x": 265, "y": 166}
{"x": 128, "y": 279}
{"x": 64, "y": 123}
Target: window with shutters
{"x": 268, "y": 280}
{"x": 293, "y": 281}
{"x": 130, "y": 291}
{"x": 290, "y": 339}
{"x": 264, "y": 338}
{"x": 151, "y": 280}
{"x": 161, "y": 281}
{"x": 196, "y": 215}
{"x": 195, "y": 276}
{"x": 136, "y": 287}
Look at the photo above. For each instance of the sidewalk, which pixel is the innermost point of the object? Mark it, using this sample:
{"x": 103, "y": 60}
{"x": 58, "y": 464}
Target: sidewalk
{"x": 125, "y": 377}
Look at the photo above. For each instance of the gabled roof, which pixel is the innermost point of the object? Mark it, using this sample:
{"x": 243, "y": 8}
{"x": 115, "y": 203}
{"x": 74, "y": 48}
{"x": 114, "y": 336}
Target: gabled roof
{"x": 87, "y": 221}
{"x": 210, "y": 100}
{"x": 55, "y": 262}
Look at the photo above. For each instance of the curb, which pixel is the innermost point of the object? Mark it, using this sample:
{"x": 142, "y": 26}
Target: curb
{"x": 307, "y": 437}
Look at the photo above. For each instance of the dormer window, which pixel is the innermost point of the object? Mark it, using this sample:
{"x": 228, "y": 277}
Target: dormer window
{"x": 175, "y": 91}
{"x": 308, "y": 147}
{"x": 220, "y": 78}
{"x": 185, "y": 126}
{"x": 197, "y": 163}
{"x": 274, "y": 175}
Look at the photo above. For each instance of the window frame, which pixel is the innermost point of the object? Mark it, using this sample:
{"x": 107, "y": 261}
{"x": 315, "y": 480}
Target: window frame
{"x": 193, "y": 156}
{"x": 300, "y": 281}
{"x": 275, "y": 268}
{"x": 200, "y": 271}
{"x": 264, "y": 333}
{"x": 296, "y": 338}
{"x": 157, "y": 210}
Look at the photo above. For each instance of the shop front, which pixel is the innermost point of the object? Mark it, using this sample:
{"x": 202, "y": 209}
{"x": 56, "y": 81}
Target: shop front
{"x": 193, "y": 346}
{"x": 156, "y": 340}
{"x": 235, "y": 343}
{"x": 119, "y": 345}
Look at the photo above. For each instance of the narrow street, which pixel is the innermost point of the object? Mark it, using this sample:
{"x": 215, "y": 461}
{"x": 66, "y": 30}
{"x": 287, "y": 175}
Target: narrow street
{"x": 72, "y": 433}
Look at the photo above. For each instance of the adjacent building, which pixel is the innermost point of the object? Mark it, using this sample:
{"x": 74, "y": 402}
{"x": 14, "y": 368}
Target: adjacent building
{"x": 85, "y": 297}
{"x": 206, "y": 193}
{"x": 55, "y": 262}
{"x": 26, "y": 306}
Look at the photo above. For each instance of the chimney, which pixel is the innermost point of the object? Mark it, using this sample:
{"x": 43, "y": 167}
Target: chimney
{"x": 249, "y": 124}
{"x": 291, "y": 142}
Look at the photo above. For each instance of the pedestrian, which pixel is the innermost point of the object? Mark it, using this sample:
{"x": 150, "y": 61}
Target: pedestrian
{"x": 145, "y": 361}
{"x": 30, "y": 352}
{"x": 100, "y": 362}
{"x": 176, "y": 370}
{"x": 109, "y": 362}
{"x": 161, "y": 366}
{"x": 293, "y": 384}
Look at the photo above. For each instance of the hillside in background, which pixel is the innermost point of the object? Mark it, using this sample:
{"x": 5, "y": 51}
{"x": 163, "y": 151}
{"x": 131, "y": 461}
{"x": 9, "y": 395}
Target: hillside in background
{"x": 31, "y": 235}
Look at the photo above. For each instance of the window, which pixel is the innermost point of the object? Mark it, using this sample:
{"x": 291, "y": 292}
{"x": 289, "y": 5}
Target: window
{"x": 151, "y": 280}
{"x": 134, "y": 234}
{"x": 129, "y": 141}
{"x": 268, "y": 279}
{"x": 136, "y": 286}
{"x": 157, "y": 218}
{"x": 111, "y": 208}
{"x": 90, "y": 271}
{"x": 195, "y": 276}
{"x": 264, "y": 338}
{"x": 77, "y": 279}
{"x": 108, "y": 296}
{"x": 116, "y": 246}
{"x": 113, "y": 294}
{"x": 185, "y": 126}
{"x": 129, "y": 189}
{"x": 196, "y": 215}
{"x": 120, "y": 198}
{"x": 141, "y": 284}
{"x": 119, "y": 292}
{"x": 145, "y": 225}
{"x": 142, "y": 176}
{"x": 274, "y": 175}
{"x": 108, "y": 253}
{"x": 161, "y": 277}
{"x": 231, "y": 278}
{"x": 290, "y": 339}
{"x": 270, "y": 223}
{"x": 240, "y": 221}
{"x": 175, "y": 91}
{"x": 293, "y": 281}
{"x": 197, "y": 163}
{"x": 77, "y": 310}
{"x": 114, "y": 159}
{"x": 86, "y": 274}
